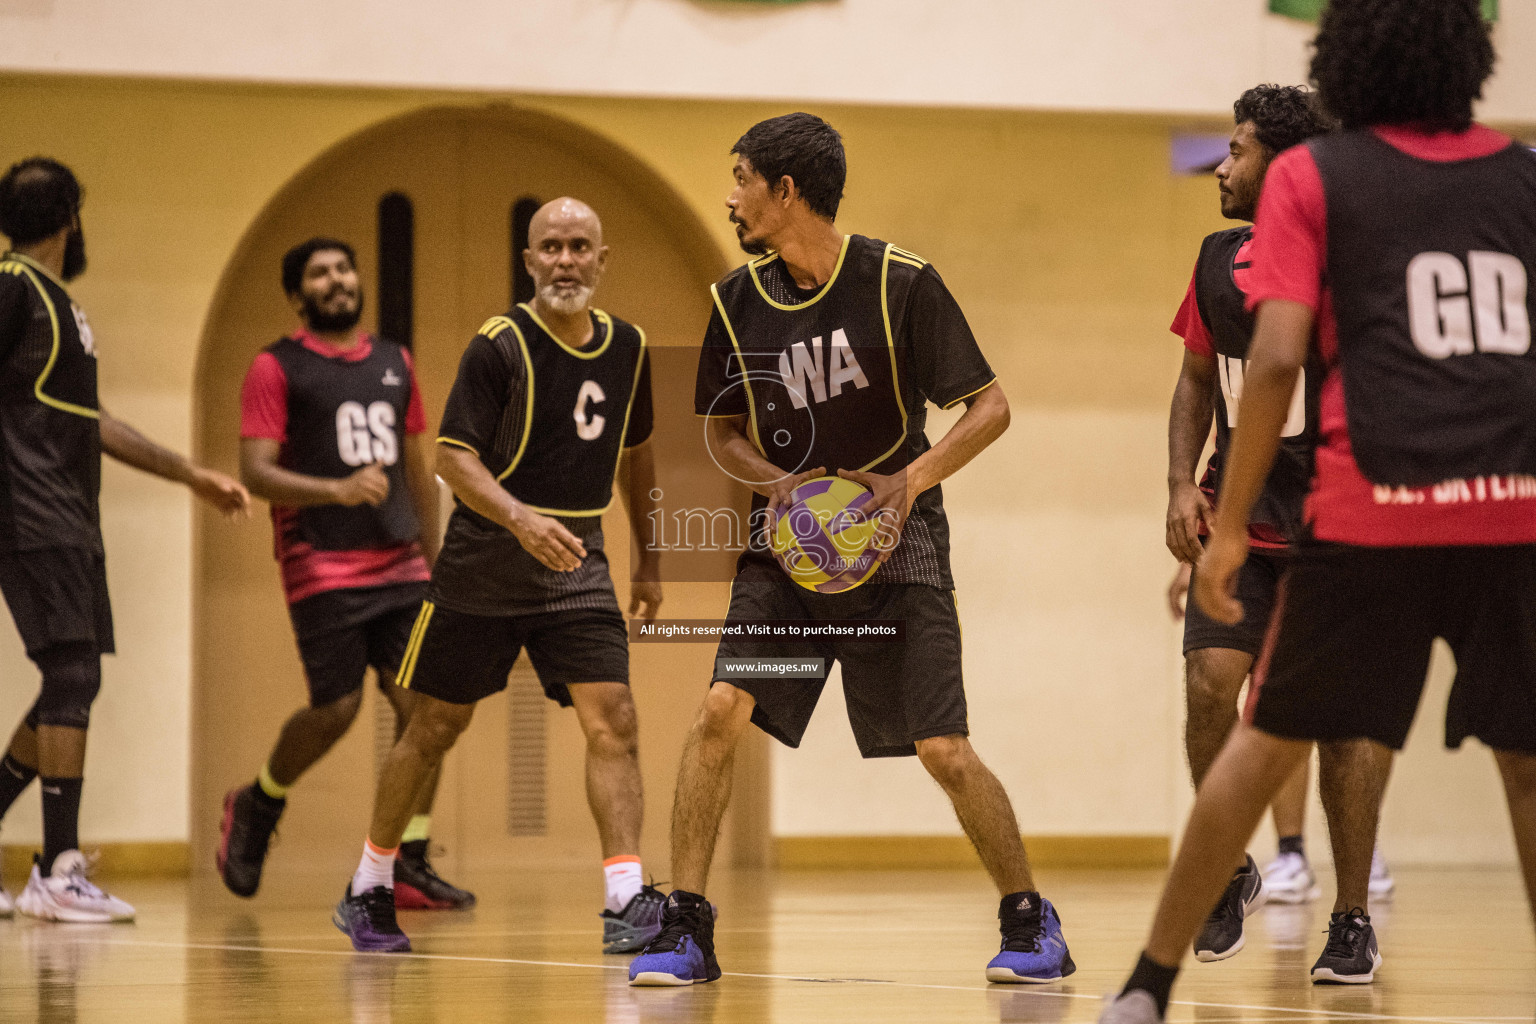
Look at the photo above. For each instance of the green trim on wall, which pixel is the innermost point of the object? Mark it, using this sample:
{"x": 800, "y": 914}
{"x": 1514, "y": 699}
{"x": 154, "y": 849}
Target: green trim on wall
{"x": 1308, "y": 10}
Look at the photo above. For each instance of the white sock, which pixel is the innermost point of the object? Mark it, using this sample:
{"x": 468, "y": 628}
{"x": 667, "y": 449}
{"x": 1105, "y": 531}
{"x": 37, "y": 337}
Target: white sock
{"x": 375, "y": 869}
{"x": 623, "y": 880}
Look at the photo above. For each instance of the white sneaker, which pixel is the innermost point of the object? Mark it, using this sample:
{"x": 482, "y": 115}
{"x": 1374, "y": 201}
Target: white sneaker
{"x": 7, "y": 908}
{"x": 66, "y": 894}
{"x": 1289, "y": 879}
{"x": 1382, "y": 882}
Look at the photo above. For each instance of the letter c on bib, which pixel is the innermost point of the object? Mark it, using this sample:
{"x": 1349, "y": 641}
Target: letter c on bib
{"x": 588, "y": 426}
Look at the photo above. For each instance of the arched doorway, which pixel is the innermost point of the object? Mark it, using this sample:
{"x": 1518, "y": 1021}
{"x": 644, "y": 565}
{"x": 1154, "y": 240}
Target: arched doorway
{"x": 437, "y": 197}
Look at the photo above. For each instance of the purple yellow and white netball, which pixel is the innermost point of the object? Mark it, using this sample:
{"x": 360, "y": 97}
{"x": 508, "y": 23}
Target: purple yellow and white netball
{"x": 824, "y": 538}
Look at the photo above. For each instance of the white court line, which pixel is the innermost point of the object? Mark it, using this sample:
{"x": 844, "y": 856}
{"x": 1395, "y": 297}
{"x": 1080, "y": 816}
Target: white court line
{"x": 1292, "y": 1012}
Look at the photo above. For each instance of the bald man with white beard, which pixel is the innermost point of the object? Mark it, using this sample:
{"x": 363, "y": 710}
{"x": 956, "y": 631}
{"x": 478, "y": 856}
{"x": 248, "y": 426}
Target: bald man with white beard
{"x": 551, "y": 402}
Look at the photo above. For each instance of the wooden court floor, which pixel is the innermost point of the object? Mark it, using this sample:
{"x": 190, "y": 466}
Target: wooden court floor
{"x": 843, "y": 948}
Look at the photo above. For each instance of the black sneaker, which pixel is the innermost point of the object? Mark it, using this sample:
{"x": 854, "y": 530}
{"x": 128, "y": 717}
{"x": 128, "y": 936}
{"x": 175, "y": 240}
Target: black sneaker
{"x": 1222, "y": 935}
{"x": 637, "y": 924}
{"x": 1351, "y": 956}
{"x": 369, "y": 921}
{"x": 419, "y": 887}
{"x": 246, "y": 831}
{"x": 683, "y": 952}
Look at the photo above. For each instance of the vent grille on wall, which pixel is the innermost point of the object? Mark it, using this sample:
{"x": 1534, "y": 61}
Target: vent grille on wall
{"x": 522, "y": 215}
{"x": 397, "y": 268}
{"x": 527, "y": 812}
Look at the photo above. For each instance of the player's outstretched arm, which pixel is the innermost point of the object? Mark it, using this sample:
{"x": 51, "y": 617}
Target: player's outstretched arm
{"x": 128, "y": 446}
{"x": 1280, "y": 343}
{"x": 422, "y": 484}
{"x": 260, "y": 470}
{"x": 1189, "y": 424}
{"x": 986, "y": 417}
{"x": 637, "y": 479}
{"x": 544, "y": 537}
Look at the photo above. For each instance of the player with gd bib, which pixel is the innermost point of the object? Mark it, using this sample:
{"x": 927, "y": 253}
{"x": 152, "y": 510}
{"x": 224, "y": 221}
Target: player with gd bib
{"x": 548, "y": 400}
{"x": 821, "y": 355}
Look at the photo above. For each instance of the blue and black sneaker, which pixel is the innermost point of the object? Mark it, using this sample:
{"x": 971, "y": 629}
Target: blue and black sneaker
{"x": 1034, "y": 951}
{"x": 683, "y": 952}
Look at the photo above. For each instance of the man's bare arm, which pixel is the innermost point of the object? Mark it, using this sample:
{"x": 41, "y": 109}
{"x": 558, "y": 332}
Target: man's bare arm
{"x": 542, "y": 536}
{"x": 421, "y": 482}
{"x": 1281, "y": 340}
{"x": 637, "y": 479}
{"x": 1189, "y": 425}
{"x": 260, "y": 470}
{"x": 128, "y": 446}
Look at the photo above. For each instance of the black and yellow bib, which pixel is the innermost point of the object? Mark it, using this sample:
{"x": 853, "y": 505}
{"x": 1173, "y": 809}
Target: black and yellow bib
{"x": 50, "y": 434}
{"x": 574, "y": 414}
{"x": 823, "y": 378}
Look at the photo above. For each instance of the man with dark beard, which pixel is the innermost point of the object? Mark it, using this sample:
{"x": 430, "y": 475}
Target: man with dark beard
{"x": 354, "y": 520}
{"x": 52, "y": 565}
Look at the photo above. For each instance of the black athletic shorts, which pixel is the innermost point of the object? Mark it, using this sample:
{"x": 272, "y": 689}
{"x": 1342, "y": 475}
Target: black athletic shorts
{"x": 463, "y": 658}
{"x": 58, "y": 596}
{"x": 897, "y": 692}
{"x": 1350, "y": 644}
{"x": 342, "y": 632}
{"x": 1257, "y": 583}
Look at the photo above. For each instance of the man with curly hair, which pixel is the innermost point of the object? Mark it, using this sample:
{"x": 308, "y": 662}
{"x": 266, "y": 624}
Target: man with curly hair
{"x": 1216, "y": 329}
{"x": 1404, "y": 246}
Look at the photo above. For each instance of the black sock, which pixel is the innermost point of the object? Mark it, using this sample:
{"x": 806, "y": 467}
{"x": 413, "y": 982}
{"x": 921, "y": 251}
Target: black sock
{"x": 416, "y": 849}
{"x": 1155, "y": 980}
{"x": 14, "y": 777}
{"x": 1293, "y": 844}
{"x": 277, "y": 803}
{"x": 61, "y": 818}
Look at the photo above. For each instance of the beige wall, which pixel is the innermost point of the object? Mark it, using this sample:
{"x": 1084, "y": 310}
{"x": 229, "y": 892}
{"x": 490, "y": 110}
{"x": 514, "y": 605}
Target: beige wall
{"x": 1188, "y": 56}
{"x": 1065, "y": 239}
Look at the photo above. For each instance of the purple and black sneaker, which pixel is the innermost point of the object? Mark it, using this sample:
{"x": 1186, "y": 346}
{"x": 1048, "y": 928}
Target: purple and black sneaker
{"x": 369, "y": 921}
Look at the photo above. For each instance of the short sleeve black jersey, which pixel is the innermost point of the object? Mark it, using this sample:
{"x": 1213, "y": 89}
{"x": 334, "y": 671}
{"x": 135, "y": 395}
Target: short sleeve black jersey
{"x": 550, "y": 422}
{"x": 841, "y": 376}
{"x": 50, "y": 431}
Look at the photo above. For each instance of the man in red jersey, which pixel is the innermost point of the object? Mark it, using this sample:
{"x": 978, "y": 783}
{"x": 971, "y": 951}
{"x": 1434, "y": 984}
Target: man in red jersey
{"x": 1402, "y": 249}
{"x": 1217, "y": 329}
{"x": 354, "y": 520}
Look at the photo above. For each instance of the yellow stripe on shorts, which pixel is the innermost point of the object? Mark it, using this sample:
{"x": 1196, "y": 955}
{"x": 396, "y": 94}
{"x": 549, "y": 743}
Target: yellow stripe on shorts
{"x": 413, "y": 647}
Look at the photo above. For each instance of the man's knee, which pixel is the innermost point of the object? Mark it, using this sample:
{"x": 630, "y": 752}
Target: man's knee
{"x": 725, "y": 712}
{"x": 436, "y": 725}
{"x": 1213, "y": 677}
{"x": 949, "y": 759}
{"x": 614, "y": 731}
{"x": 71, "y": 681}
{"x": 1519, "y": 771}
{"x": 336, "y": 717}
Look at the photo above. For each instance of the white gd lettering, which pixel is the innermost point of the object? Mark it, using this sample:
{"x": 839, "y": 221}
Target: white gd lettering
{"x": 1454, "y": 313}
{"x": 1232, "y": 372}
{"x": 588, "y": 426}
{"x": 805, "y": 372}
{"x": 366, "y": 435}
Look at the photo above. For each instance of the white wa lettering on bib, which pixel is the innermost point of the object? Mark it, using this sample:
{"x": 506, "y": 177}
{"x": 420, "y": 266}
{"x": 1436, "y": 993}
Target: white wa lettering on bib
{"x": 1232, "y": 371}
{"x": 806, "y": 373}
